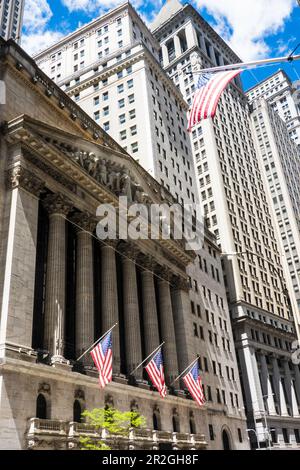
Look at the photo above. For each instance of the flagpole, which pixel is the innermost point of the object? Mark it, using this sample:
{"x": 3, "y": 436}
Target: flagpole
{"x": 246, "y": 65}
{"x": 147, "y": 358}
{"x": 94, "y": 344}
{"x": 191, "y": 364}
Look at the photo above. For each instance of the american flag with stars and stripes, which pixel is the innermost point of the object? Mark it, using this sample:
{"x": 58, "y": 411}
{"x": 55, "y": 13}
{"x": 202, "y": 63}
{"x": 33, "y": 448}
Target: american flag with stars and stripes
{"x": 194, "y": 384}
{"x": 102, "y": 357}
{"x": 155, "y": 370}
{"x": 209, "y": 89}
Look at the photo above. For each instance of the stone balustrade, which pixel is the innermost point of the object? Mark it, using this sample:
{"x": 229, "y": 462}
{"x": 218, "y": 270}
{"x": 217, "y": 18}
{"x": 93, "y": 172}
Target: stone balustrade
{"x": 43, "y": 433}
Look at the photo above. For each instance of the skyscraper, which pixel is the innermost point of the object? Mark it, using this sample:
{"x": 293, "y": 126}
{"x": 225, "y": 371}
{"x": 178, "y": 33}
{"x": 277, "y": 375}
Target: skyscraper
{"x": 234, "y": 201}
{"x": 279, "y": 160}
{"x": 279, "y": 91}
{"x": 11, "y": 18}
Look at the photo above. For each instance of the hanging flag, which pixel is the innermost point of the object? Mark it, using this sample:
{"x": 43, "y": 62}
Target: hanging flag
{"x": 209, "y": 89}
{"x": 193, "y": 382}
{"x": 155, "y": 370}
{"x": 102, "y": 357}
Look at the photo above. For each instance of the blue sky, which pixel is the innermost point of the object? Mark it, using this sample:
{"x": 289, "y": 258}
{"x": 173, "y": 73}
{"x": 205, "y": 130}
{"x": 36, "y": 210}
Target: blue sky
{"x": 255, "y": 29}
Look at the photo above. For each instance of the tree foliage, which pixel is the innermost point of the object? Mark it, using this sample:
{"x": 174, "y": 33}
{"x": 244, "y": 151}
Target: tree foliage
{"x": 117, "y": 423}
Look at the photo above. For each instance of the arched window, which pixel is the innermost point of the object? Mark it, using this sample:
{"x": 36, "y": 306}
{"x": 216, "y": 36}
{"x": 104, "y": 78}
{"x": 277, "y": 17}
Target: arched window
{"x": 176, "y": 425}
{"x": 41, "y": 407}
{"x": 77, "y": 411}
{"x": 156, "y": 421}
{"x": 226, "y": 440}
{"x": 192, "y": 424}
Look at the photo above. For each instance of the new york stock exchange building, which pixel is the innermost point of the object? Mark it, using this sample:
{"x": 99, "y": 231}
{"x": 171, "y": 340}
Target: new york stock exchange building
{"x": 61, "y": 287}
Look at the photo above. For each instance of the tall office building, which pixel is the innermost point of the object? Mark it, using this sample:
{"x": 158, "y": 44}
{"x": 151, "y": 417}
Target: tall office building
{"x": 111, "y": 68}
{"x": 234, "y": 200}
{"x": 11, "y": 19}
{"x": 278, "y": 90}
{"x": 279, "y": 159}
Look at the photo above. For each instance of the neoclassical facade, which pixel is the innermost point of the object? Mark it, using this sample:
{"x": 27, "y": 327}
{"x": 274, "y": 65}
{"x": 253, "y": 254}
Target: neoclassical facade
{"x": 62, "y": 287}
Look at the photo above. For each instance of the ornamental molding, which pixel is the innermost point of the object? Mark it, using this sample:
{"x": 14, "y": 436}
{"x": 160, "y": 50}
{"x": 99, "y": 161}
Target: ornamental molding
{"x": 18, "y": 176}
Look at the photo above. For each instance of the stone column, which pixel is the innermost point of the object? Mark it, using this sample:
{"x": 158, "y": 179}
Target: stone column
{"x": 150, "y": 318}
{"x": 297, "y": 382}
{"x": 165, "y": 54}
{"x": 84, "y": 325}
{"x": 109, "y": 299}
{"x": 183, "y": 328}
{"x": 266, "y": 381}
{"x": 167, "y": 329}
{"x": 177, "y": 46}
{"x": 191, "y": 36}
{"x": 54, "y": 324}
{"x": 131, "y": 315}
{"x": 18, "y": 254}
{"x": 278, "y": 385}
{"x": 290, "y": 389}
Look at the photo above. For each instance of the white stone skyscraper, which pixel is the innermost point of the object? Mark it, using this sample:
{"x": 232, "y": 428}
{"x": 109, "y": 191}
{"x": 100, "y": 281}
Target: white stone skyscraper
{"x": 279, "y": 91}
{"x": 235, "y": 202}
{"x": 279, "y": 159}
{"x": 11, "y": 18}
{"x": 111, "y": 68}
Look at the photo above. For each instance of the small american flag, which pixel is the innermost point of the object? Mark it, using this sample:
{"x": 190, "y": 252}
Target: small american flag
{"x": 209, "y": 89}
{"x": 193, "y": 382}
{"x": 102, "y": 357}
{"x": 155, "y": 370}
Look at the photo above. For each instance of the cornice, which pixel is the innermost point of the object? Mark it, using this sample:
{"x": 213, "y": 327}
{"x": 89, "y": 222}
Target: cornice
{"x": 52, "y": 95}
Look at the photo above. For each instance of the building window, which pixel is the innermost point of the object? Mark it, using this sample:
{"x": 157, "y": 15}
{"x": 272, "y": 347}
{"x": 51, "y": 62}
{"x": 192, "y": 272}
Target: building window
{"x": 77, "y": 412}
{"x": 240, "y": 435}
{"x": 134, "y": 147}
{"x": 41, "y": 407}
{"x": 122, "y": 118}
{"x": 133, "y": 130}
{"x": 123, "y": 135}
{"x": 211, "y": 432}
{"x": 106, "y": 126}
{"x": 132, "y": 114}
{"x": 106, "y": 111}
{"x": 121, "y": 103}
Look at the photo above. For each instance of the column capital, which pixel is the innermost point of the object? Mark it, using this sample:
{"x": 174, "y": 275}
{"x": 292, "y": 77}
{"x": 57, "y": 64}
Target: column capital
{"x": 129, "y": 250}
{"x": 109, "y": 243}
{"x": 18, "y": 176}
{"x": 147, "y": 262}
{"x": 84, "y": 222}
{"x": 164, "y": 273}
{"x": 180, "y": 283}
{"x": 57, "y": 204}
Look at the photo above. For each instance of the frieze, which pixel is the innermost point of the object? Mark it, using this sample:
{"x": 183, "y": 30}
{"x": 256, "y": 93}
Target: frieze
{"x": 114, "y": 176}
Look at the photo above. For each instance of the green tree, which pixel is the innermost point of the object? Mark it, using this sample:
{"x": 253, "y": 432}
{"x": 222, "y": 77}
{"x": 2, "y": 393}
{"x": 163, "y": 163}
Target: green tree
{"x": 117, "y": 423}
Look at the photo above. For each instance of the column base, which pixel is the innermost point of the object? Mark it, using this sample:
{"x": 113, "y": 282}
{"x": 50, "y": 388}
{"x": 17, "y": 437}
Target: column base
{"x": 179, "y": 393}
{"x": 59, "y": 362}
{"x": 120, "y": 379}
{"x": 143, "y": 384}
{"x": 91, "y": 371}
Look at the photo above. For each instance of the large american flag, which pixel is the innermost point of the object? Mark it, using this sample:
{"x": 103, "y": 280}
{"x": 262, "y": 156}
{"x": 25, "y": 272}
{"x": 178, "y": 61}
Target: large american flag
{"x": 102, "y": 357}
{"x": 209, "y": 89}
{"x": 155, "y": 370}
{"x": 193, "y": 382}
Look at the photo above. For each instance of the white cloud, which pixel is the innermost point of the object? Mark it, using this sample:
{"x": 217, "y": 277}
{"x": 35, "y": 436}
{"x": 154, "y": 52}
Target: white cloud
{"x": 245, "y": 24}
{"x": 97, "y": 6}
{"x": 33, "y": 43}
{"x": 36, "y": 36}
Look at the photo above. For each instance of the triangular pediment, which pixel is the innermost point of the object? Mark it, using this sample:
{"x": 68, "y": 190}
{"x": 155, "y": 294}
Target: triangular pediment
{"x": 115, "y": 170}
